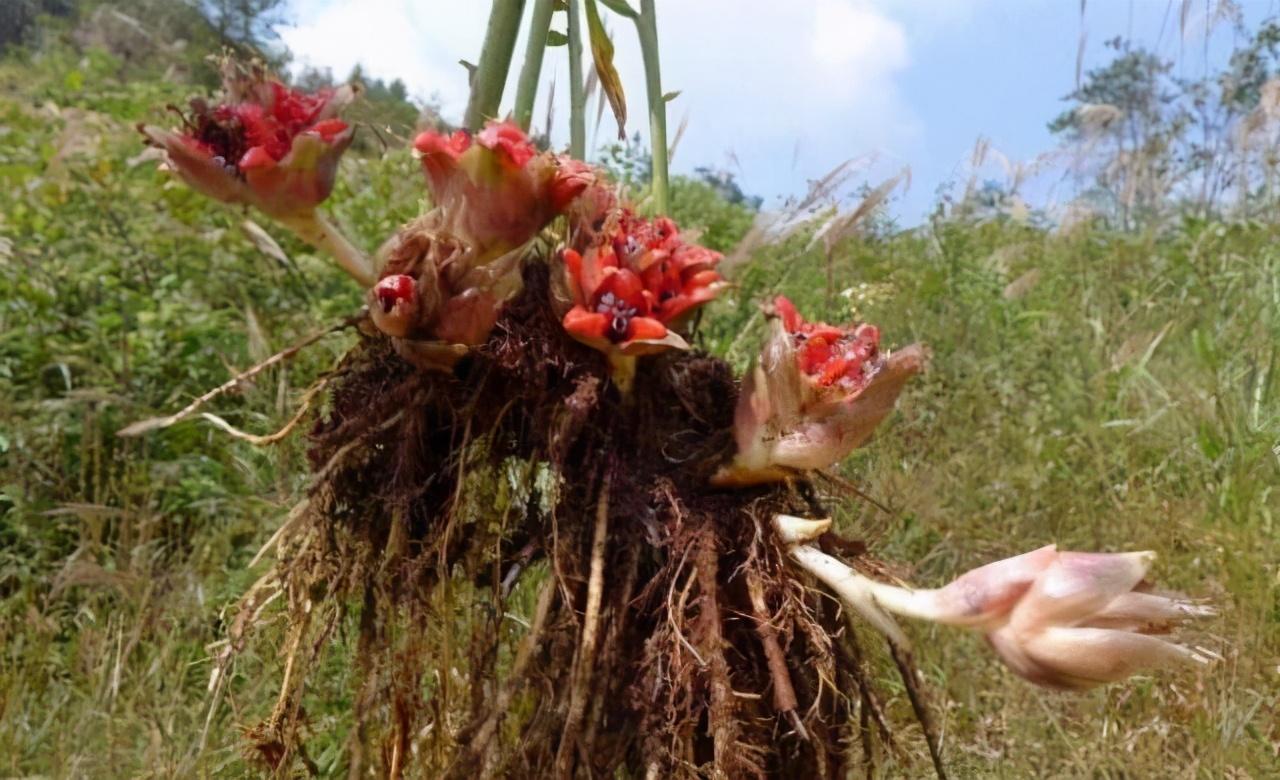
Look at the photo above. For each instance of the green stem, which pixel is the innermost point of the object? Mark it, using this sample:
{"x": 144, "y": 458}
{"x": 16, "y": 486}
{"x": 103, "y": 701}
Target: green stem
{"x": 527, "y": 87}
{"x": 322, "y": 234}
{"x": 495, "y": 62}
{"x": 622, "y": 370}
{"x": 577, "y": 90}
{"x": 647, "y": 27}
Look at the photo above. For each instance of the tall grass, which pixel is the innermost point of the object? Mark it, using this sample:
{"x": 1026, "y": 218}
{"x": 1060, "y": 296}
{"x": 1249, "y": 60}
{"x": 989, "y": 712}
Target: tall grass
{"x": 1100, "y": 390}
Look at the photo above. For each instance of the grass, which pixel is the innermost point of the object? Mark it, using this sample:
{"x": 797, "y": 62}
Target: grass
{"x": 1128, "y": 399}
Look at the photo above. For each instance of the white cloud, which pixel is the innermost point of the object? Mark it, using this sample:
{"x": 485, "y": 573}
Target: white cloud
{"x": 858, "y": 37}
{"x": 418, "y": 42}
{"x": 788, "y": 89}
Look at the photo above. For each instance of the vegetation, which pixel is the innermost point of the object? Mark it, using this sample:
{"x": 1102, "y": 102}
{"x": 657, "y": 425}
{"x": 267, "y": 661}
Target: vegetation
{"x": 1099, "y": 387}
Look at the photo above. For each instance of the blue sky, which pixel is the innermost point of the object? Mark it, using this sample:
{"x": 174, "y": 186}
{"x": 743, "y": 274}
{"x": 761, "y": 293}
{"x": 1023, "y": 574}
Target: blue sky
{"x": 780, "y": 93}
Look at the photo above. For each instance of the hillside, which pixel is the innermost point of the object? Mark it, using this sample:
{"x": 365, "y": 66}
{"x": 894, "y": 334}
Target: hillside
{"x": 1095, "y": 388}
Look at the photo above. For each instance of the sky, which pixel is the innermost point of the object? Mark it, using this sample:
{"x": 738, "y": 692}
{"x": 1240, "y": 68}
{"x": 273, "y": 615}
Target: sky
{"x": 779, "y": 93}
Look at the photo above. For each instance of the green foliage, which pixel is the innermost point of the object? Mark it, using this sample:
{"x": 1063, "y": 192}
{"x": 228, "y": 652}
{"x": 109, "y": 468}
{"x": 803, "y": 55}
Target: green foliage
{"x": 1162, "y": 145}
{"x": 697, "y": 205}
{"x": 123, "y": 295}
{"x": 1093, "y": 389}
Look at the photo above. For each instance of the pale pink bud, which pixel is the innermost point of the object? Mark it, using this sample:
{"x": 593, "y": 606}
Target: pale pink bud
{"x": 1061, "y": 619}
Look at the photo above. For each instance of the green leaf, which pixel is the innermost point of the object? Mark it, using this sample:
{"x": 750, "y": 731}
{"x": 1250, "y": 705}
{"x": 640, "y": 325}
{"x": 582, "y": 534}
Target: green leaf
{"x": 556, "y": 38}
{"x": 670, "y": 96}
{"x": 602, "y": 53}
{"x": 620, "y": 7}
{"x": 471, "y": 70}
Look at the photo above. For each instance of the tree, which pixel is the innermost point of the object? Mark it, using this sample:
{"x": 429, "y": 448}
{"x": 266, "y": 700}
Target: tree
{"x": 245, "y": 22}
{"x": 1128, "y": 111}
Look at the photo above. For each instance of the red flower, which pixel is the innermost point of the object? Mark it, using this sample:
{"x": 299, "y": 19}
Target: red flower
{"x": 816, "y": 394}
{"x": 395, "y": 304}
{"x": 631, "y": 289}
{"x": 572, "y": 178}
{"x": 509, "y": 142}
{"x": 267, "y": 146}
{"x": 439, "y": 154}
{"x": 492, "y": 193}
{"x": 831, "y": 356}
{"x": 613, "y": 310}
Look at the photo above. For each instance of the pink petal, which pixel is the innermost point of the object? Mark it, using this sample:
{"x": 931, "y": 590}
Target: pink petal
{"x": 988, "y": 593}
{"x": 1077, "y": 586}
{"x": 1085, "y": 657}
{"x": 197, "y": 167}
{"x": 1146, "y": 613}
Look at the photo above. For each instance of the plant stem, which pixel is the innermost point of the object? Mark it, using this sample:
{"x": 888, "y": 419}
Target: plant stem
{"x": 862, "y": 594}
{"x": 647, "y": 27}
{"x": 495, "y": 62}
{"x": 531, "y": 72}
{"x": 322, "y": 234}
{"x": 577, "y": 90}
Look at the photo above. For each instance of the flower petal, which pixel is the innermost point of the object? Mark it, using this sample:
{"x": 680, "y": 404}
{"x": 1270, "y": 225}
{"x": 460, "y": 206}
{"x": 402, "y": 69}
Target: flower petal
{"x": 302, "y": 179}
{"x": 791, "y": 319}
{"x": 394, "y": 305}
{"x": 1084, "y": 657}
{"x": 197, "y": 167}
{"x": 988, "y": 593}
{"x": 651, "y": 346}
{"x": 860, "y": 416}
{"x": 588, "y": 327}
{"x": 645, "y": 329}
{"x": 1147, "y": 613}
{"x": 1077, "y": 586}
{"x": 508, "y": 142}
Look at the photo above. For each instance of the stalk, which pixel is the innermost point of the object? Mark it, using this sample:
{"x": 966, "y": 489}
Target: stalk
{"x": 857, "y": 591}
{"x": 577, "y": 90}
{"x": 647, "y": 27}
{"x": 322, "y": 234}
{"x": 495, "y": 61}
{"x": 531, "y": 72}
{"x": 869, "y": 597}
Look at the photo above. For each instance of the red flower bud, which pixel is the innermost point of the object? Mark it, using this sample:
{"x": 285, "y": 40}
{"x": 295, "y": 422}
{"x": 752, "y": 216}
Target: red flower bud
{"x": 268, "y": 146}
{"x": 816, "y": 394}
{"x": 394, "y": 305}
{"x": 634, "y": 286}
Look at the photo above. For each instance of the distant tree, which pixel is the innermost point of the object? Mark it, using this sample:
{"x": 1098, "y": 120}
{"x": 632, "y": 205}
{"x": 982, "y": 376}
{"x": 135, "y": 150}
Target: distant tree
{"x": 629, "y": 161}
{"x": 1127, "y": 116}
{"x": 18, "y": 18}
{"x": 245, "y": 22}
{"x": 1159, "y": 145}
{"x": 726, "y": 184}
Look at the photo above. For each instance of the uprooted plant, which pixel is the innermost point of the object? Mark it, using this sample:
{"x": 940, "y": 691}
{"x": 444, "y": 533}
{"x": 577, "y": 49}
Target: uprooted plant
{"x": 523, "y": 410}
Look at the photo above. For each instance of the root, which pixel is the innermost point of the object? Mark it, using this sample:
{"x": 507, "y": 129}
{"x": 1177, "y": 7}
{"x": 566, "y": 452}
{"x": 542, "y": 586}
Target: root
{"x": 720, "y": 717}
{"x": 784, "y": 693}
{"x": 672, "y": 637}
{"x": 590, "y": 626}
{"x": 485, "y": 733}
{"x": 907, "y": 668}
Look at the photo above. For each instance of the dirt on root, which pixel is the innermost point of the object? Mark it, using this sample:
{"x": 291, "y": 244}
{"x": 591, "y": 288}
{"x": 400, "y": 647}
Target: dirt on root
{"x": 667, "y": 633}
